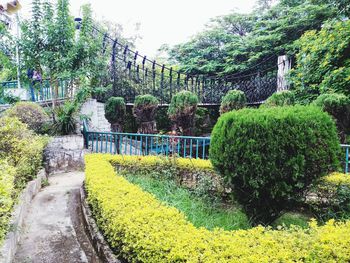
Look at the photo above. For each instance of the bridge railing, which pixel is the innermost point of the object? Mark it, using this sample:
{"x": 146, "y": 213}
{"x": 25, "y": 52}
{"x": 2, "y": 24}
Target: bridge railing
{"x": 146, "y": 144}
{"x": 36, "y": 92}
{"x": 154, "y": 144}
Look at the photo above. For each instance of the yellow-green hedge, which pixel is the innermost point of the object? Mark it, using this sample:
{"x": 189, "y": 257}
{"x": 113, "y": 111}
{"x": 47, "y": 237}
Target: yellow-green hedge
{"x": 143, "y": 229}
{"x": 7, "y": 175}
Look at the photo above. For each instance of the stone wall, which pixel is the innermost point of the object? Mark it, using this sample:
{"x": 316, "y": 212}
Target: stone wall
{"x": 65, "y": 153}
{"x": 96, "y": 112}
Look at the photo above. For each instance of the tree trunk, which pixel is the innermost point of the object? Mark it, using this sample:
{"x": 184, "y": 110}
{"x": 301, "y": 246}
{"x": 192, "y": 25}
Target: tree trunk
{"x": 149, "y": 127}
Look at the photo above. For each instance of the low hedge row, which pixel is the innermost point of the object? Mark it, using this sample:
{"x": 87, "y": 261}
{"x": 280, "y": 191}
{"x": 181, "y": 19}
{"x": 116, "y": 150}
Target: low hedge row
{"x": 142, "y": 229}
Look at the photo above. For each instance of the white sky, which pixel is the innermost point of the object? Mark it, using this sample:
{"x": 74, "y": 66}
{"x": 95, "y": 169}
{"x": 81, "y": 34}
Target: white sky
{"x": 162, "y": 22}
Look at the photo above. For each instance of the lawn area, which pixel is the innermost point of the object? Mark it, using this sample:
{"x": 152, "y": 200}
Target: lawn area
{"x": 202, "y": 211}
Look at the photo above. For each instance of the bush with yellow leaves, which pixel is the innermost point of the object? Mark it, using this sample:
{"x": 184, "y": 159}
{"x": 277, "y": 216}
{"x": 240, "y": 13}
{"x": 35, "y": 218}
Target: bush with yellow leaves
{"x": 142, "y": 229}
{"x": 7, "y": 176}
{"x": 330, "y": 197}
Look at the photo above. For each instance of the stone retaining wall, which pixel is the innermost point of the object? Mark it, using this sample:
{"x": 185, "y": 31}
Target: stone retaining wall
{"x": 64, "y": 154}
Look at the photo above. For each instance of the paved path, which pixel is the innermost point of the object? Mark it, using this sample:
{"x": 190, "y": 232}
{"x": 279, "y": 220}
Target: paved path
{"x": 53, "y": 231}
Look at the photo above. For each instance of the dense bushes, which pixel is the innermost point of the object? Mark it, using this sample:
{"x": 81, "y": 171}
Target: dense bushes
{"x": 338, "y": 106}
{"x": 283, "y": 98}
{"x": 20, "y": 158}
{"x": 182, "y": 110}
{"x": 22, "y": 148}
{"x": 141, "y": 229}
{"x": 7, "y": 174}
{"x": 29, "y": 113}
{"x": 270, "y": 156}
{"x": 233, "y": 100}
{"x": 322, "y": 63}
{"x": 115, "y": 110}
{"x": 330, "y": 197}
{"x": 145, "y": 107}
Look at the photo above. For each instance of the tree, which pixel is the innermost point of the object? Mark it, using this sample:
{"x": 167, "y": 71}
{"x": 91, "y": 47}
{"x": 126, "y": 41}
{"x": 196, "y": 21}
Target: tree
{"x": 145, "y": 107}
{"x": 238, "y": 43}
{"x": 115, "y": 110}
{"x": 322, "y": 64}
{"x": 182, "y": 111}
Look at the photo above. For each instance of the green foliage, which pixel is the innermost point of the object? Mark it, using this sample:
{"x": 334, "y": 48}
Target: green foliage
{"x": 65, "y": 120}
{"x": 233, "y": 100}
{"x": 29, "y": 113}
{"x": 323, "y": 62}
{"x": 115, "y": 110}
{"x": 338, "y": 106}
{"x": 145, "y": 107}
{"x": 182, "y": 110}
{"x": 270, "y": 156}
{"x": 290, "y": 219}
{"x": 279, "y": 99}
{"x": 7, "y": 176}
{"x": 246, "y": 43}
{"x": 329, "y": 197}
{"x": 197, "y": 210}
{"x": 22, "y": 148}
{"x": 144, "y": 110}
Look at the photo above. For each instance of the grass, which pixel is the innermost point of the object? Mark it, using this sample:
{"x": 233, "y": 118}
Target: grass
{"x": 199, "y": 210}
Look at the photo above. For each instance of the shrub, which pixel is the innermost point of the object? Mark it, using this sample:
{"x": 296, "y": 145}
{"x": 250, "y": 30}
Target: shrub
{"x": 145, "y": 107}
{"x": 142, "y": 229}
{"x": 283, "y": 98}
{"x": 22, "y": 148}
{"x": 290, "y": 219}
{"x": 7, "y": 174}
{"x": 29, "y": 113}
{"x": 233, "y": 100}
{"x": 330, "y": 197}
{"x": 115, "y": 110}
{"x": 270, "y": 156}
{"x": 338, "y": 106}
{"x": 65, "y": 120}
{"x": 182, "y": 110}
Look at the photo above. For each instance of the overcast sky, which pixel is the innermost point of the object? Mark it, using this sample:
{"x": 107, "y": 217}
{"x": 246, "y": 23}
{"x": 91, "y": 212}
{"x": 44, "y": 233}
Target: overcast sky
{"x": 162, "y": 22}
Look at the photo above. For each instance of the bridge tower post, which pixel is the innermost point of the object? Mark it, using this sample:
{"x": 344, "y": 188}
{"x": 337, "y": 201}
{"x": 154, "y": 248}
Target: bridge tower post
{"x": 284, "y": 66}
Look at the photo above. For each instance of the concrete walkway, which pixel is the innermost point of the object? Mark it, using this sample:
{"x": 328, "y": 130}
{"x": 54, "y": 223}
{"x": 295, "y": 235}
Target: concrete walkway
{"x": 53, "y": 231}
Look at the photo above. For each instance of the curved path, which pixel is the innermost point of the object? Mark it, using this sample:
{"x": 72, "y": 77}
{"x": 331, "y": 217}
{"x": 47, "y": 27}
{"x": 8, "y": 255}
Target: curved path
{"x": 53, "y": 230}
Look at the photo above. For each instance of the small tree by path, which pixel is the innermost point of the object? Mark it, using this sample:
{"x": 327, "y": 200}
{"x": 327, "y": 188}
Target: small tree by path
{"x": 182, "y": 111}
{"x": 115, "y": 110}
{"x": 145, "y": 108}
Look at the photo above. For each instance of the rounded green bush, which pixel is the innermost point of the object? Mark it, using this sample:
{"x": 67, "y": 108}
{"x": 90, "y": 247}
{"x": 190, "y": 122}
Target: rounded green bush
{"x": 29, "y": 113}
{"x": 270, "y": 156}
{"x": 338, "y": 106}
{"x": 145, "y": 107}
{"x": 233, "y": 100}
{"x": 182, "y": 110}
{"x": 283, "y": 98}
{"x": 115, "y": 110}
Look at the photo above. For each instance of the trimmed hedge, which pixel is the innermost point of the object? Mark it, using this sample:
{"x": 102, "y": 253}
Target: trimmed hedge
{"x": 142, "y": 229}
{"x": 338, "y": 106}
{"x": 278, "y": 99}
{"x": 233, "y": 100}
{"x": 115, "y": 111}
{"x": 270, "y": 156}
{"x": 182, "y": 111}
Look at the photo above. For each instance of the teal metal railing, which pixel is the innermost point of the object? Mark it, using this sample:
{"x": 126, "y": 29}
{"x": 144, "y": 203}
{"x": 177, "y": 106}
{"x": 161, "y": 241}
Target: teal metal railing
{"x": 146, "y": 144}
{"x": 154, "y": 144}
{"x": 38, "y": 92}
